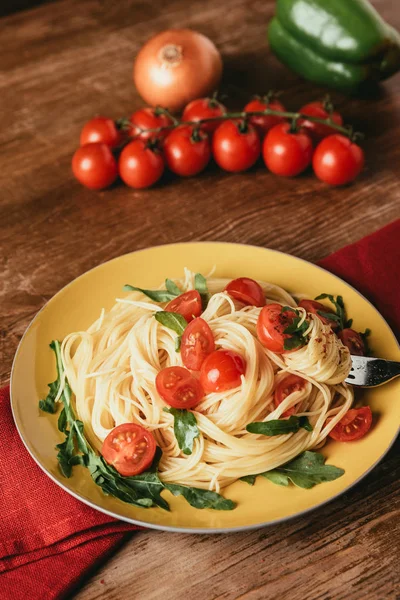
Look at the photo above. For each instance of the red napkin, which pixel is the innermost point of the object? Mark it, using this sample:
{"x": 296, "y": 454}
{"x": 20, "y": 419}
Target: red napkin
{"x": 48, "y": 540}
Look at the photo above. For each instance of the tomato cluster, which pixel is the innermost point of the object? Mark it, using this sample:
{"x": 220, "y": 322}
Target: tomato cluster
{"x": 155, "y": 141}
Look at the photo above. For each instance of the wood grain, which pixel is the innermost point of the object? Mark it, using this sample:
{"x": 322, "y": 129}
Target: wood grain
{"x": 60, "y": 64}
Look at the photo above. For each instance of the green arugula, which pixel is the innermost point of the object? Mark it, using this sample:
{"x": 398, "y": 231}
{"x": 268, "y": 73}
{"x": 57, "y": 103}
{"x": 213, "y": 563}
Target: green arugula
{"x": 172, "y": 288}
{"x": 296, "y": 330}
{"x": 49, "y": 404}
{"x": 365, "y": 335}
{"x": 279, "y": 426}
{"x": 173, "y": 321}
{"x": 250, "y": 479}
{"x": 155, "y": 295}
{"x": 340, "y": 315}
{"x": 200, "y": 498}
{"x": 185, "y": 428}
{"x": 200, "y": 284}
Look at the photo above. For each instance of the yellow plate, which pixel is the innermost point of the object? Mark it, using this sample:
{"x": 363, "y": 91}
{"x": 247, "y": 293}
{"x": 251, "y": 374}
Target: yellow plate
{"x": 80, "y": 302}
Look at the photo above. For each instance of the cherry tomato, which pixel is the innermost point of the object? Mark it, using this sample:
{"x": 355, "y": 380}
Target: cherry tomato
{"x": 129, "y": 448}
{"x": 139, "y": 165}
{"x": 187, "y": 153}
{"x": 271, "y": 325}
{"x": 197, "y": 344}
{"x": 285, "y": 153}
{"x": 95, "y": 166}
{"x": 178, "y": 388}
{"x": 337, "y": 160}
{"x": 222, "y": 371}
{"x": 103, "y": 130}
{"x": 147, "y": 118}
{"x": 353, "y": 340}
{"x": 353, "y": 426}
{"x": 247, "y": 291}
{"x": 188, "y": 305}
{"x": 314, "y": 307}
{"x": 288, "y": 385}
{"x": 233, "y": 149}
{"x": 204, "y": 108}
{"x": 264, "y": 123}
{"x": 318, "y": 131}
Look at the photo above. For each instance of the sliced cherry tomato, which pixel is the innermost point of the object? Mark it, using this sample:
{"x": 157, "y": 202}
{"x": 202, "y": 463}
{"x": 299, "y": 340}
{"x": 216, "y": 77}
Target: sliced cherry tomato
{"x": 94, "y": 166}
{"x": 264, "y": 123}
{"x": 139, "y": 165}
{"x": 285, "y": 153}
{"x": 314, "y": 307}
{"x": 337, "y": 160}
{"x": 188, "y": 305}
{"x": 353, "y": 426}
{"x": 271, "y": 325}
{"x": 222, "y": 371}
{"x": 178, "y": 388}
{"x": 288, "y": 385}
{"x": 204, "y": 108}
{"x": 103, "y": 130}
{"x": 147, "y": 118}
{"x": 187, "y": 153}
{"x": 247, "y": 291}
{"x": 197, "y": 344}
{"x": 129, "y": 448}
{"x": 233, "y": 149}
{"x": 318, "y": 131}
{"x": 353, "y": 340}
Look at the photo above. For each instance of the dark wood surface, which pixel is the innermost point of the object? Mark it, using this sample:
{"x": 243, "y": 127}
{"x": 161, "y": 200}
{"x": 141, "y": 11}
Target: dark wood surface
{"x": 60, "y": 64}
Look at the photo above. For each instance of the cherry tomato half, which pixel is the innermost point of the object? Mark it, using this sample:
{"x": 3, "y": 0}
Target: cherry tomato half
{"x": 197, "y": 343}
{"x": 264, "y": 123}
{"x": 285, "y": 153}
{"x": 178, "y": 388}
{"x": 204, "y": 108}
{"x": 337, "y": 160}
{"x": 147, "y": 118}
{"x": 129, "y": 448}
{"x": 353, "y": 426}
{"x": 353, "y": 340}
{"x": 288, "y": 385}
{"x": 247, "y": 291}
{"x": 314, "y": 307}
{"x": 139, "y": 165}
{"x": 318, "y": 131}
{"x": 222, "y": 371}
{"x": 95, "y": 166}
{"x": 233, "y": 149}
{"x": 103, "y": 130}
{"x": 187, "y": 153}
{"x": 271, "y": 325}
{"x": 188, "y": 305}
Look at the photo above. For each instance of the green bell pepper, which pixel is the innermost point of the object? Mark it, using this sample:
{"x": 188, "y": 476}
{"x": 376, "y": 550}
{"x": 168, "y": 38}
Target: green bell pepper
{"x": 338, "y": 43}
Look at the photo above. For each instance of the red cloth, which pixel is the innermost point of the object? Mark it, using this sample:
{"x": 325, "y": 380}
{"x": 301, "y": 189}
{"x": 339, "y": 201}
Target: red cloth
{"x": 48, "y": 540}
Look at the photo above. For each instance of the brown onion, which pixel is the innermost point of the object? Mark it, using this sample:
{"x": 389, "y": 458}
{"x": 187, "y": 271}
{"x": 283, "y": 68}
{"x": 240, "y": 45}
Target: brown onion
{"x": 175, "y": 67}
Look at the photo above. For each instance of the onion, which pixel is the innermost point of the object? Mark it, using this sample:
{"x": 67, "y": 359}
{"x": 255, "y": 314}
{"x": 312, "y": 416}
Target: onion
{"x": 175, "y": 67}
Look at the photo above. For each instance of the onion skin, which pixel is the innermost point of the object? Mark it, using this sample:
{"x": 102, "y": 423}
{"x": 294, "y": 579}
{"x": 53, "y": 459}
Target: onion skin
{"x": 175, "y": 67}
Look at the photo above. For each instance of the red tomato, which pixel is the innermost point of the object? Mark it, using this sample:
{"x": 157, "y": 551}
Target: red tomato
{"x": 101, "y": 129}
{"x": 233, "y": 150}
{"x": 222, "y": 371}
{"x": 317, "y": 131}
{"x": 197, "y": 344}
{"x": 146, "y": 118}
{"x": 204, "y": 108}
{"x": 178, "y": 388}
{"x": 140, "y": 166}
{"x": 129, "y": 448}
{"x": 353, "y": 426}
{"x": 271, "y": 324}
{"x": 95, "y": 166}
{"x": 288, "y": 385}
{"x": 337, "y": 160}
{"x": 353, "y": 340}
{"x": 188, "y": 305}
{"x": 247, "y": 291}
{"x": 264, "y": 123}
{"x": 314, "y": 307}
{"x": 285, "y": 153}
{"x": 187, "y": 153}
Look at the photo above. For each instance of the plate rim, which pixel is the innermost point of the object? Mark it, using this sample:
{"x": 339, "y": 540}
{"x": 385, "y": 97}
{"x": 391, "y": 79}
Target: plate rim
{"x": 195, "y": 530}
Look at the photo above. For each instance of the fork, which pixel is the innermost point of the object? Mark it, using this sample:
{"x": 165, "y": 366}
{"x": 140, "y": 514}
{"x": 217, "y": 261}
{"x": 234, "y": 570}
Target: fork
{"x": 370, "y": 372}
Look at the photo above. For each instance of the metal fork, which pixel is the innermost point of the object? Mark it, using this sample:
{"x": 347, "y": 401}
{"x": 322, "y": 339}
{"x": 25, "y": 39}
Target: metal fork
{"x": 370, "y": 372}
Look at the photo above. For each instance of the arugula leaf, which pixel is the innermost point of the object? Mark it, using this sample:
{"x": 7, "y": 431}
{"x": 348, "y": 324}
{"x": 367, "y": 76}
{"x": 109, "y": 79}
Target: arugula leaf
{"x": 340, "y": 315}
{"x": 155, "y": 295}
{"x": 172, "y": 288}
{"x": 296, "y": 330}
{"x": 200, "y": 498}
{"x": 250, "y": 479}
{"x": 62, "y": 421}
{"x": 365, "y": 335}
{"x": 49, "y": 404}
{"x": 178, "y": 343}
{"x": 200, "y": 284}
{"x": 305, "y": 471}
{"x": 65, "y": 453}
{"x": 279, "y": 426}
{"x": 276, "y": 477}
{"x": 185, "y": 428}
{"x": 172, "y": 320}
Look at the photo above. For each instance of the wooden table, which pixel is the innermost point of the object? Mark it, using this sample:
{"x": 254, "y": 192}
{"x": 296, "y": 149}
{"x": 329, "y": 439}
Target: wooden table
{"x": 63, "y": 62}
